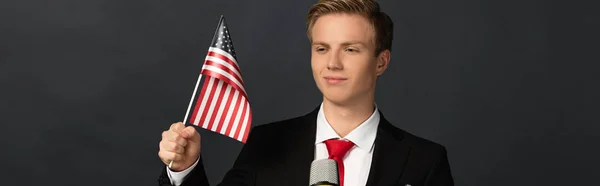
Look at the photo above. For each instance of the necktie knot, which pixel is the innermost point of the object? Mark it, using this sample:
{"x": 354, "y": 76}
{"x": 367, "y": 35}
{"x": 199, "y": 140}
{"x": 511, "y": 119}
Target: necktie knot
{"x": 338, "y": 148}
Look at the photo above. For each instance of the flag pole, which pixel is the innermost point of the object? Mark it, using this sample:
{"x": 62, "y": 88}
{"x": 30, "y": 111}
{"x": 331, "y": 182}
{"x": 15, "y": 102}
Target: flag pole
{"x": 196, "y": 88}
{"x": 192, "y": 100}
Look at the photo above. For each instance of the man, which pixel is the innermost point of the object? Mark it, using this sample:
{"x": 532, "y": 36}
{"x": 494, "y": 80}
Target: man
{"x": 350, "y": 47}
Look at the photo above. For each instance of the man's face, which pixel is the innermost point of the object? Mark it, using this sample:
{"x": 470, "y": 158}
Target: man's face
{"x": 343, "y": 58}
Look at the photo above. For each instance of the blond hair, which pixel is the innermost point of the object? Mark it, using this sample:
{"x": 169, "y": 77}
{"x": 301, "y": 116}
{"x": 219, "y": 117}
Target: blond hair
{"x": 369, "y": 9}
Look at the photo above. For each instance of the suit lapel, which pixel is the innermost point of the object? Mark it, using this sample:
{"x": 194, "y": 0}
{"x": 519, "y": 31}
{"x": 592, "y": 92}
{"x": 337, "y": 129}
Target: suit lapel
{"x": 301, "y": 150}
{"x": 389, "y": 155}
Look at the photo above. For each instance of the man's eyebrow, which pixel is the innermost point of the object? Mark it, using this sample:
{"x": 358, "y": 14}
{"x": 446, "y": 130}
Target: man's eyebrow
{"x": 320, "y": 43}
{"x": 343, "y": 44}
{"x": 353, "y": 43}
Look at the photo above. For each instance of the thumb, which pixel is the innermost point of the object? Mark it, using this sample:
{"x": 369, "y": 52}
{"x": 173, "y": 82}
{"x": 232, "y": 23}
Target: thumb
{"x": 189, "y": 132}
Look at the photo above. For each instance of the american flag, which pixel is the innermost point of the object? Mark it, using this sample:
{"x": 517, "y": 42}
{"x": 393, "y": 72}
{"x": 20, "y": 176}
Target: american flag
{"x": 222, "y": 105}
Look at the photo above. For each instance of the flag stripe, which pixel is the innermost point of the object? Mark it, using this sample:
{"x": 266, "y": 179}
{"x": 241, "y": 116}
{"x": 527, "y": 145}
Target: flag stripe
{"x": 218, "y": 100}
{"x": 230, "y": 77}
{"x": 225, "y": 112}
{"x": 244, "y": 122}
{"x": 198, "y": 100}
{"x": 230, "y": 114}
{"x": 218, "y": 65}
{"x": 215, "y": 95}
{"x": 231, "y": 60}
{"x": 236, "y": 117}
{"x": 206, "y": 101}
{"x": 247, "y": 131}
{"x": 208, "y": 82}
{"x": 221, "y": 105}
{"x": 220, "y": 74}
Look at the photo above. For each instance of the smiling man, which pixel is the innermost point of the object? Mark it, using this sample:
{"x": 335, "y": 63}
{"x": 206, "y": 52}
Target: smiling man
{"x": 350, "y": 47}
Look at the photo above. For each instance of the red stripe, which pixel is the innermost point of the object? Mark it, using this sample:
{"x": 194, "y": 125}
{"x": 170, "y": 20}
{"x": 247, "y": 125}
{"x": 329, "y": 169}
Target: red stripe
{"x": 239, "y": 127}
{"x": 209, "y": 101}
{"x": 199, "y": 100}
{"x": 216, "y": 98}
{"x": 217, "y": 106}
{"x": 247, "y": 127}
{"x": 232, "y": 119}
{"x": 227, "y": 109}
{"x": 226, "y": 59}
{"x": 224, "y": 68}
{"x": 225, "y": 79}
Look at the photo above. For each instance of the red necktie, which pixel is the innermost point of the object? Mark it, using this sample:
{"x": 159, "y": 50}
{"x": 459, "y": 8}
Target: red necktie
{"x": 337, "y": 150}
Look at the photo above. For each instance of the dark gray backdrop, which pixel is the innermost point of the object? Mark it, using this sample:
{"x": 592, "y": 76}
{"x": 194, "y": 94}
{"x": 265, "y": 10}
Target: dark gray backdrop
{"x": 509, "y": 87}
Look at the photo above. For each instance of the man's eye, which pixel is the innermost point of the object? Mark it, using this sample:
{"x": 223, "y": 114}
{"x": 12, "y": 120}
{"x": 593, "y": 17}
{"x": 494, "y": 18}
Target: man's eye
{"x": 320, "y": 49}
{"x": 351, "y": 50}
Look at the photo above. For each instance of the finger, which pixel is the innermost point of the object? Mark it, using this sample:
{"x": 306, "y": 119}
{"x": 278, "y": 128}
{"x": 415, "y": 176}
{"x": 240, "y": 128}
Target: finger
{"x": 174, "y": 137}
{"x": 189, "y": 132}
{"x": 170, "y": 156}
{"x": 177, "y": 127}
{"x": 171, "y": 147}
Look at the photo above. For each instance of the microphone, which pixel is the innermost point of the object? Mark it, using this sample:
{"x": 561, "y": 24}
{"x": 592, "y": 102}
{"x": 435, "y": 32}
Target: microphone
{"x": 324, "y": 172}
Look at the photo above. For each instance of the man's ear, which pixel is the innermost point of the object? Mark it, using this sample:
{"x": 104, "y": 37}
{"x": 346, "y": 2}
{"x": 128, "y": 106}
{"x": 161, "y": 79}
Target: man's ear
{"x": 382, "y": 61}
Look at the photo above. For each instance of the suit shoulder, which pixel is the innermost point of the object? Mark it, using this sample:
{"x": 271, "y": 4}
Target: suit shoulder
{"x": 426, "y": 149}
{"x": 419, "y": 143}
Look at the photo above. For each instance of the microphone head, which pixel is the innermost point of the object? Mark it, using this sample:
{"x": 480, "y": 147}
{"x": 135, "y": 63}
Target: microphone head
{"x": 324, "y": 172}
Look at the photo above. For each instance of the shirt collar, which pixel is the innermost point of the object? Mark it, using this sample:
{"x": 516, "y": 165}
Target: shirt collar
{"x": 363, "y": 135}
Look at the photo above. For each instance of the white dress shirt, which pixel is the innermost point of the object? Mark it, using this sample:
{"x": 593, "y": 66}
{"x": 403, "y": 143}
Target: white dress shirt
{"x": 357, "y": 162}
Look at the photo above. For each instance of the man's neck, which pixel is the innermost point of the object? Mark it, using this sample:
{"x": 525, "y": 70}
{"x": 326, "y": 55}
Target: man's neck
{"x": 345, "y": 118}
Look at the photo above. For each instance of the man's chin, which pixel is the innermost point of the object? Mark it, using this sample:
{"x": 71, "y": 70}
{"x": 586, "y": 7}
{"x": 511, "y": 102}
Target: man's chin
{"x": 336, "y": 99}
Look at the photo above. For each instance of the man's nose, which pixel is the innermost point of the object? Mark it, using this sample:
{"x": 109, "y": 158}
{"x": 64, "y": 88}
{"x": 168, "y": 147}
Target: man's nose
{"x": 335, "y": 61}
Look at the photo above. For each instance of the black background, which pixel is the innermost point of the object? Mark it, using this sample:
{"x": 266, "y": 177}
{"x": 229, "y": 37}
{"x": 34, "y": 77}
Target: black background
{"x": 509, "y": 87}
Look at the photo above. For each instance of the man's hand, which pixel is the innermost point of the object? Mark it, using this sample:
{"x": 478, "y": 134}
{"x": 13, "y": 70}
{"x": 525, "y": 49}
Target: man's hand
{"x": 181, "y": 145}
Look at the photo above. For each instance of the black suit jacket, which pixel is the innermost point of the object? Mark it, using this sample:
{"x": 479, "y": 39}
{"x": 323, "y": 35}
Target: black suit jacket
{"x": 281, "y": 153}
